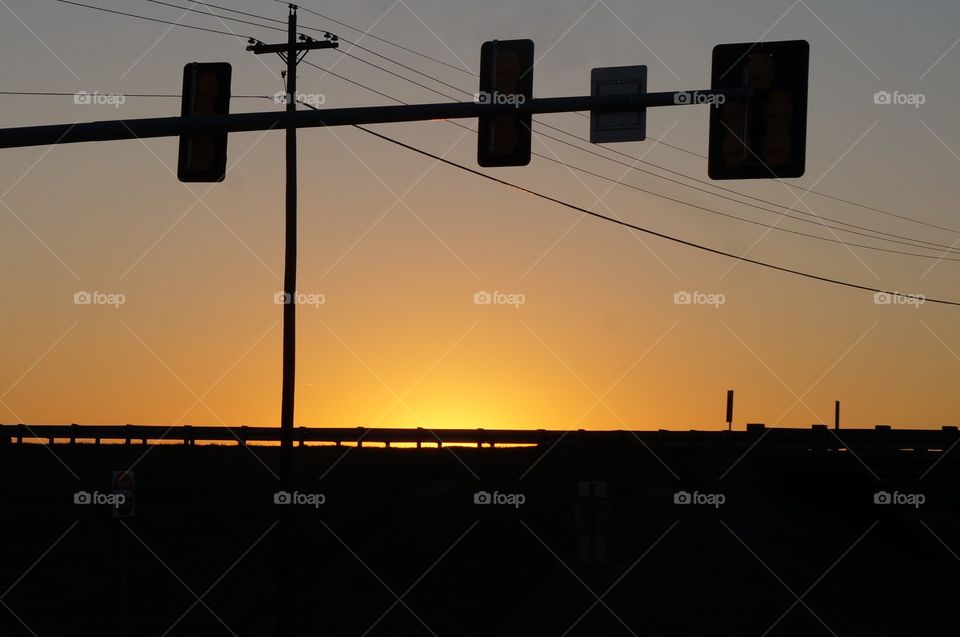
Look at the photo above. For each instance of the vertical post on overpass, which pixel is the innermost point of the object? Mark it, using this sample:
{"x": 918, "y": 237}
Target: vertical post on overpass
{"x": 729, "y": 409}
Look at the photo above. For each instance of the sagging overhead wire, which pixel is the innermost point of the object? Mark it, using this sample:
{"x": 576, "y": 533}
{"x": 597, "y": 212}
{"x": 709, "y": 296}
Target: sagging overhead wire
{"x": 790, "y": 211}
{"x": 633, "y": 158}
{"x": 941, "y": 257}
{"x": 151, "y": 19}
{"x": 648, "y": 231}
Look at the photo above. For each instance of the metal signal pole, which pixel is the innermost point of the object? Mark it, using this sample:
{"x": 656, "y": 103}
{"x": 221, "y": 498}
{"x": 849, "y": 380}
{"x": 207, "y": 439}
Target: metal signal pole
{"x": 291, "y": 52}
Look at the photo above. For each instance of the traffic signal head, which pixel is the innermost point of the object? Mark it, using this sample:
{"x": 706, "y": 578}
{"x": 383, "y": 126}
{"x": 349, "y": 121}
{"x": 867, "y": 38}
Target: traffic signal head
{"x": 764, "y": 135}
{"x": 206, "y": 91}
{"x": 506, "y": 77}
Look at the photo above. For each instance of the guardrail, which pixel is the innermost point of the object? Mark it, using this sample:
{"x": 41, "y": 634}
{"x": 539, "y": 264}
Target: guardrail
{"x": 818, "y": 435}
{"x": 189, "y": 435}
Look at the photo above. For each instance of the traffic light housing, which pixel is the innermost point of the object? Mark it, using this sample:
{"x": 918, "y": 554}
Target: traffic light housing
{"x": 763, "y": 136}
{"x": 206, "y": 91}
{"x": 506, "y": 77}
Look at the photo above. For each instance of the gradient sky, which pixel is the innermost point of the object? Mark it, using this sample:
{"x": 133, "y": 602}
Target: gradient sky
{"x": 599, "y": 341}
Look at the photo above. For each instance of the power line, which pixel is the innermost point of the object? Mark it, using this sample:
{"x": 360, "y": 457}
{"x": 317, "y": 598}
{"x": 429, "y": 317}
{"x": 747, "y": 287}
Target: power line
{"x": 765, "y": 225}
{"x": 143, "y": 17}
{"x": 909, "y": 241}
{"x": 452, "y": 66}
{"x": 681, "y": 201}
{"x": 894, "y": 238}
{"x": 211, "y": 14}
{"x": 237, "y": 11}
{"x": 905, "y": 240}
{"x": 561, "y": 202}
{"x": 386, "y": 70}
{"x": 170, "y": 95}
{"x": 938, "y": 258}
{"x": 551, "y": 159}
{"x": 738, "y": 193}
{"x": 354, "y": 82}
{"x": 654, "y": 233}
{"x": 400, "y": 64}
{"x": 372, "y": 36}
{"x": 662, "y": 142}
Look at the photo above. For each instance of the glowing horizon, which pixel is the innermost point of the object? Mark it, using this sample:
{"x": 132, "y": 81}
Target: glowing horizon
{"x": 391, "y": 331}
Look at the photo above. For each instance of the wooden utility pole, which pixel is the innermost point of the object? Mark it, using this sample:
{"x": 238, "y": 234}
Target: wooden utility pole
{"x": 291, "y": 52}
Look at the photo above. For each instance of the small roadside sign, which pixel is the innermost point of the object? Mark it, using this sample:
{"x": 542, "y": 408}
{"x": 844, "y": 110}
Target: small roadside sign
{"x": 123, "y": 485}
{"x": 618, "y": 126}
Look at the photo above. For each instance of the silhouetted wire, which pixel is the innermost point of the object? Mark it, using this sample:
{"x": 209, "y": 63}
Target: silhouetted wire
{"x": 211, "y": 14}
{"x": 378, "y": 38}
{"x": 787, "y": 209}
{"x": 340, "y": 51}
{"x": 788, "y": 212}
{"x": 237, "y": 11}
{"x": 354, "y": 82}
{"x": 176, "y": 95}
{"x": 908, "y": 241}
{"x": 386, "y": 70}
{"x": 560, "y": 202}
{"x": 667, "y": 197}
{"x": 761, "y": 224}
{"x": 648, "y": 231}
{"x": 604, "y": 177}
{"x": 143, "y": 17}
{"x": 660, "y": 141}
{"x": 903, "y": 240}
{"x": 913, "y": 242}
{"x": 896, "y": 238}
{"x": 325, "y": 31}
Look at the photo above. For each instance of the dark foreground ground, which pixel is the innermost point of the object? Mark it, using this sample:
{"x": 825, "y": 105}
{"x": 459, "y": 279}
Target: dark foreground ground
{"x": 399, "y": 547}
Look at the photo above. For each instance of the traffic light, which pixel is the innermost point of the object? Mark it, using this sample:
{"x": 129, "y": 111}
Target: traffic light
{"x": 206, "y": 91}
{"x": 506, "y": 77}
{"x": 763, "y": 136}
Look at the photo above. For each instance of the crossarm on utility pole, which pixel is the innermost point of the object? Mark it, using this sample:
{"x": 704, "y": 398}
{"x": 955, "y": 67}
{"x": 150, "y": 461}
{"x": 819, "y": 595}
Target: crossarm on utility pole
{"x": 261, "y": 49}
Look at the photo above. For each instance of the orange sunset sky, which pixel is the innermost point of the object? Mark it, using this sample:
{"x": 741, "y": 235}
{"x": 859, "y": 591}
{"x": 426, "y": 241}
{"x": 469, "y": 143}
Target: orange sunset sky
{"x": 397, "y": 247}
